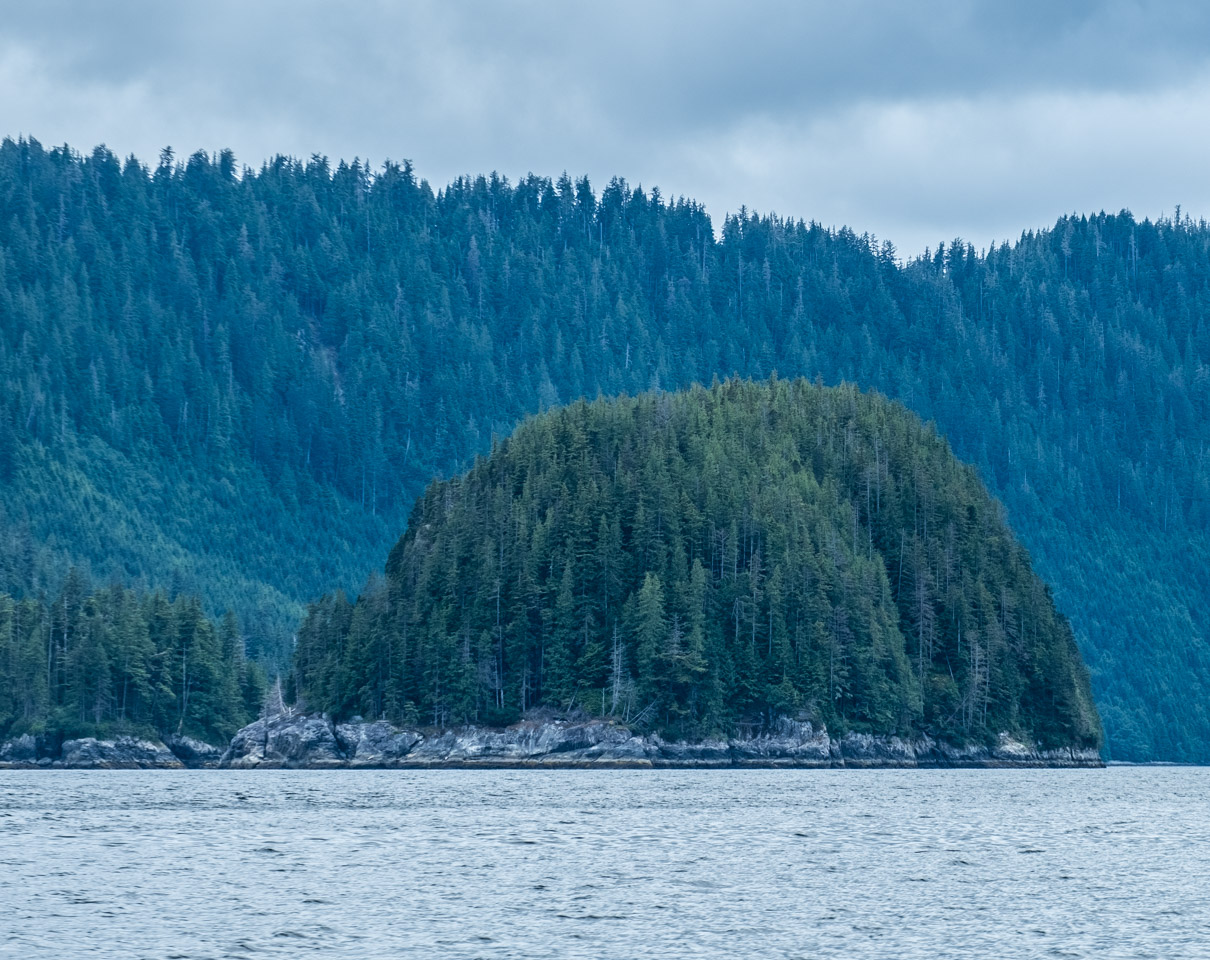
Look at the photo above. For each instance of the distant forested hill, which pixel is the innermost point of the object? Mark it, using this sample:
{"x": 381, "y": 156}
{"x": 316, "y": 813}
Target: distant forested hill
{"x": 238, "y": 382}
{"x": 696, "y": 560}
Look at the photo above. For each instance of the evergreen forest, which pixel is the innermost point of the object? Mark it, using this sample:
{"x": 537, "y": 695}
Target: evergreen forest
{"x": 236, "y": 382}
{"x": 111, "y": 661}
{"x": 692, "y": 562}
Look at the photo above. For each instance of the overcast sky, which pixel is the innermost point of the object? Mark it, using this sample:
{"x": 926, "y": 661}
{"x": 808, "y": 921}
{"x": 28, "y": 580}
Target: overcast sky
{"x": 915, "y": 121}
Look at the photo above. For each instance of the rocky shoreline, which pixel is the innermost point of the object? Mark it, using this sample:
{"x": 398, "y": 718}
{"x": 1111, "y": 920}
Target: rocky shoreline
{"x": 121, "y": 753}
{"x": 302, "y": 741}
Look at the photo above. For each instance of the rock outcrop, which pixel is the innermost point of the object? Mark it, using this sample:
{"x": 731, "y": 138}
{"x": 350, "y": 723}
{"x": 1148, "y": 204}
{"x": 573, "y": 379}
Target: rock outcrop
{"x": 286, "y": 740}
{"x": 786, "y": 743}
{"x": 24, "y": 751}
{"x": 533, "y": 743}
{"x": 375, "y": 744}
{"x": 308, "y": 741}
{"x": 195, "y": 754}
{"x": 122, "y": 753}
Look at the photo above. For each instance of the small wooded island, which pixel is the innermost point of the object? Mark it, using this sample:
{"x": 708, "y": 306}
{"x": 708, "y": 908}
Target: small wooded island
{"x": 775, "y": 573}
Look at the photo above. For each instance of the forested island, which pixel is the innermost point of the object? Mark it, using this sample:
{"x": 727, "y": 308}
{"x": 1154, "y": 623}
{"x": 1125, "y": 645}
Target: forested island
{"x": 234, "y": 383}
{"x": 691, "y": 563}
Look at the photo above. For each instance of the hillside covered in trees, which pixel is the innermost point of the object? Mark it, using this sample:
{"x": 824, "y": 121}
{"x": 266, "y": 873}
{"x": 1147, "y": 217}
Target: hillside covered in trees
{"x": 697, "y": 560}
{"x": 113, "y": 661}
{"x": 236, "y": 382}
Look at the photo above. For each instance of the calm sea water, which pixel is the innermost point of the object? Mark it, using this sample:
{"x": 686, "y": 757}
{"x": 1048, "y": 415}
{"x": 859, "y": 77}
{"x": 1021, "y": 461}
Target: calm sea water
{"x": 626, "y": 864}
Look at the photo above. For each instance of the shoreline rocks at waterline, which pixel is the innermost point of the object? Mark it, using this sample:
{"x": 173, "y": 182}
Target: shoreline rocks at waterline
{"x": 89, "y": 753}
{"x": 314, "y": 742}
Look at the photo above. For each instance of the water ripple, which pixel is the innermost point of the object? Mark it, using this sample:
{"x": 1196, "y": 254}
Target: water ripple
{"x": 606, "y": 864}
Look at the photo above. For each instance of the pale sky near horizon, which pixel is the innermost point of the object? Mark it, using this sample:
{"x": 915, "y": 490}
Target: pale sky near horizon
{"x": 918, "y": 122}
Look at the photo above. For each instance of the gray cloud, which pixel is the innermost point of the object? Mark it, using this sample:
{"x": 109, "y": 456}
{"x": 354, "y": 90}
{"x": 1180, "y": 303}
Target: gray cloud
{"x": 917, "y": 121}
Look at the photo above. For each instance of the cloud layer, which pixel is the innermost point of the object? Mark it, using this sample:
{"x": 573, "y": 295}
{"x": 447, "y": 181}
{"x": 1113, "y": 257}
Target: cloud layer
{"x": 918, "y": 122}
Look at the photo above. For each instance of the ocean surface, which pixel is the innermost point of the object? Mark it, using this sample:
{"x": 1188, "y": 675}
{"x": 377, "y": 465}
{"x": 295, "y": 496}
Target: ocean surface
{"x": 606, "y": 864}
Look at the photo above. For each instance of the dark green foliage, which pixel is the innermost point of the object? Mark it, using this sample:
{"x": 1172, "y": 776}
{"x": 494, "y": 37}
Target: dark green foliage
{"x": 775, "y": 549}
{"x": 113, "y": 661}
{"x": 238, "y": 384}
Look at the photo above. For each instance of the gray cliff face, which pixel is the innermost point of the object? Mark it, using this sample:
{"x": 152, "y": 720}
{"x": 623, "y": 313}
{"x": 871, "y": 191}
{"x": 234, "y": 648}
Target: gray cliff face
{"x": 294, "y": 740}
{"x": 375, "y": 744}
{"x": 787, "y": 743}
{"x": 286, "y": 740}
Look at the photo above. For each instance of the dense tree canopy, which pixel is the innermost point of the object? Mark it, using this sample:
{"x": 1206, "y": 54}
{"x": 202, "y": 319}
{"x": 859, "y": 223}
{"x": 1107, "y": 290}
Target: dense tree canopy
{"x": 697, "y": 560}
{"x": 236, "y": 382}
{"x": 113, "y": 661}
